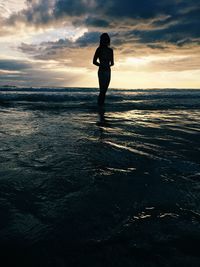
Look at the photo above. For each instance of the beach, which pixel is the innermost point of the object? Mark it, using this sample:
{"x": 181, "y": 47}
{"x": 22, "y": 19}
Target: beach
{"x": 88, "y": 186}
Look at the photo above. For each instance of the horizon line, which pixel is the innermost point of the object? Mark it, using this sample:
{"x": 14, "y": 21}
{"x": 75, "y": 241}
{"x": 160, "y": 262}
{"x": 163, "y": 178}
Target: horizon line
{"x": 112, "y": 88}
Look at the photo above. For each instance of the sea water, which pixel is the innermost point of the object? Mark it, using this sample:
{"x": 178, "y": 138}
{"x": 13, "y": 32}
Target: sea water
{"x": 88, "y": 186}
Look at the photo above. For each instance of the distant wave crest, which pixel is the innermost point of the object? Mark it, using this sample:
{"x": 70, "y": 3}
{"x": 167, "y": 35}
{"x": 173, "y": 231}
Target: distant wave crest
{"x": 127, "y": 99}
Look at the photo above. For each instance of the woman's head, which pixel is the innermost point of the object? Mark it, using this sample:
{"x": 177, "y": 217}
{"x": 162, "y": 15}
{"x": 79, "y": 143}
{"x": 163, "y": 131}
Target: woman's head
{"x": 104, "y": 40}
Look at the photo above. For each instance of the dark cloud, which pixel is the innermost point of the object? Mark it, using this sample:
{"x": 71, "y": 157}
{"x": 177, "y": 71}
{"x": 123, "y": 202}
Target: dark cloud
{"x": 147, "y": 20}
{"x": 97, "y": 22}
{"x": 19, "y": 72}
{"x": 87, "y": 39}
{"x": 70, "y": 7}
{"x": 36, "y": 13}
{"x": 14, "y": 65}
{"x": 184, "y": 28}
{"x": 150, "y": 8}
{"x": 133, "y": 9}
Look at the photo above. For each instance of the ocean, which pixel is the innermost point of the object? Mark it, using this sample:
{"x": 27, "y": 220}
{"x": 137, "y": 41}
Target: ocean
{"x": 88, "y": 186}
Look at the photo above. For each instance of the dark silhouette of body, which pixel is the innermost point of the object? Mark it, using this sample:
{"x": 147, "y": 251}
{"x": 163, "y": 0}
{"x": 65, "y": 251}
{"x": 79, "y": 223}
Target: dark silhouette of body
{"x": 104, "y": 59}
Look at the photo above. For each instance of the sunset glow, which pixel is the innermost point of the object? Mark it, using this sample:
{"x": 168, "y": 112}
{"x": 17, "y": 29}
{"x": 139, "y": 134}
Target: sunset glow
{"x": 52, "y": 43}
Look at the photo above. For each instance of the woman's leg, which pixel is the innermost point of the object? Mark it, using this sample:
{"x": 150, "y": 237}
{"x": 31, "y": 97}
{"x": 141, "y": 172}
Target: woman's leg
{"x": 104, "y": 81}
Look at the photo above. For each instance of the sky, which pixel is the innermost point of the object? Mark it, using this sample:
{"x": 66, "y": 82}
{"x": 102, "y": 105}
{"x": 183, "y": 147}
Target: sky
{"x": 52, "y": 42}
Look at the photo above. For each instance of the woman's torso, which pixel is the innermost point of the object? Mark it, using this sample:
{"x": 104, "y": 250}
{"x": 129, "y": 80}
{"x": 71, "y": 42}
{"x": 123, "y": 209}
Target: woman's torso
{"x": 105, "y": 56}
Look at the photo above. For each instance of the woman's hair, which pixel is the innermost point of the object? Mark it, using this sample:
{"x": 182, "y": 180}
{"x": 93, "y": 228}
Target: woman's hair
{"x": 104, "y": 39}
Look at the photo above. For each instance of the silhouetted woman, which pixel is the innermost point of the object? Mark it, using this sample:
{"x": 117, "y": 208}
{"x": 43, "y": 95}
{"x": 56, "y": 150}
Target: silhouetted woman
{"x": 103, "y": 58}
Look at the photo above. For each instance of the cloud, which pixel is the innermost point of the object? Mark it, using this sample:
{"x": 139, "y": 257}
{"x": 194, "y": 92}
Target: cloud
{"x": 14, "y": 65}
{"x": 176, "y": 64}
{"x": 97, "y": 22}
{"x": 9, "y": 6}
{"x": 166, "y": 28}
{"x": 37, "y": 73}
{"x": 36, "y": 12}
{"x": 149, "y": 21}
{"x": 52, "y": 47}
{"x": 185, "y": 26}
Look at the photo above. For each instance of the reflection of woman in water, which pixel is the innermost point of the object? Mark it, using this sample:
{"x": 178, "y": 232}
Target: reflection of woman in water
{"x": 105, "y": 56}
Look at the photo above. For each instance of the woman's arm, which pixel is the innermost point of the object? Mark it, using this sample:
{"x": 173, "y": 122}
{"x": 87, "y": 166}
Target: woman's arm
{"x": 96, "y": 56}
{"x": 112, "y": 59}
